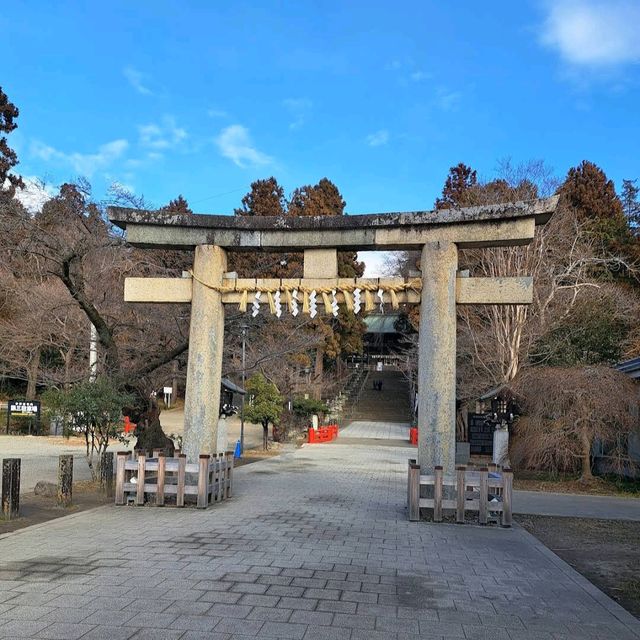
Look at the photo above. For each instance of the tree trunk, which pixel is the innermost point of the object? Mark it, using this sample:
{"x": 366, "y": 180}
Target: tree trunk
{"x": 586, "y": 458}
{"x": 318, "y": 373}
{"x": 32, "y": 374}
{"x": 265, "y": 436}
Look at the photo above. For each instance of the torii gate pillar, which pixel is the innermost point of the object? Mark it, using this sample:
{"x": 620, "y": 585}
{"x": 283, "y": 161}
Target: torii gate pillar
{"x": 437, "y": 358}
{"x": 204, "y": 368}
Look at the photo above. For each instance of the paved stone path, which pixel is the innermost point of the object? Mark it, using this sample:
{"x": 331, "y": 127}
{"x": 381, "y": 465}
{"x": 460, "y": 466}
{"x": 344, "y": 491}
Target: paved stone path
{"x": 376, "y": 430}
{"x": 314, "y": 545}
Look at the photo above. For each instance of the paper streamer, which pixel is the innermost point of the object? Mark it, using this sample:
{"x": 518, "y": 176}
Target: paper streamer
{"x": 313, "y": 305}
{"x": 256, "y": 304}
{"x": 293, "y": 307}
{"x": 334, "y": 304}
{"x": 381, "y": 298}
{"x": 356, "y": 301}
{"x": 278, "y": 305}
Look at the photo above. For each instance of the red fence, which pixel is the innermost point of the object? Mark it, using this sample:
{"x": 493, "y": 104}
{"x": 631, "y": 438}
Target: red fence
{"x": 323, "y": 434}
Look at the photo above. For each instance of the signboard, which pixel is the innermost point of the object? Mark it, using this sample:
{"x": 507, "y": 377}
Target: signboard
{"x": 24, "y": 407}
{"x": 29, "y": 408}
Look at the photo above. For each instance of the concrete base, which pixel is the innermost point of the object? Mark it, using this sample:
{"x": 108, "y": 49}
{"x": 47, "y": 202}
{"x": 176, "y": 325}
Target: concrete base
{"x": 463, "y": 452}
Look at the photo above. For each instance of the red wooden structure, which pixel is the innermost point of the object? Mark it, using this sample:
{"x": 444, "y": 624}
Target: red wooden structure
{"x": 323, "y": 434}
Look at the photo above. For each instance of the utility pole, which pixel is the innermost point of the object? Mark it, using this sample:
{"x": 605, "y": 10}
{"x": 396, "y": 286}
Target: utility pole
{"x": 244, "y": 328}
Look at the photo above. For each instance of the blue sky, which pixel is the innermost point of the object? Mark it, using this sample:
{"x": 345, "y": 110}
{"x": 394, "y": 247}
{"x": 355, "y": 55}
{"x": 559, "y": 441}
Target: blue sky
{"x": 201, "y": 98}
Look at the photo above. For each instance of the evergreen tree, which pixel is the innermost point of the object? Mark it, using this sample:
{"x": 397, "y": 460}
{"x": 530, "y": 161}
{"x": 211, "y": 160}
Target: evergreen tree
{"x": 630, "y": 203}
{"x": 8, "y": 158}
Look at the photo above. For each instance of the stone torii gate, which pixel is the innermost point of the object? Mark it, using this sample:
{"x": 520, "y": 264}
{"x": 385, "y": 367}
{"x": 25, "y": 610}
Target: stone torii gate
{"x": 438, "y": 234}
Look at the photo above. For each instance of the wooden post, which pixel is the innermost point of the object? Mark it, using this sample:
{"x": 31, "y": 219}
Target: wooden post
{"x": 230, "y": 474}
{"x": 461, "y": 491}
{"x": 121, "y": 458}
{"x": 223, "y": 476}
{"x": 493, "y": 467}
{"x": 414, "y": 492}
{"x": 141, "y": 480}
{"x": 182, "y": 463}
{"x": 65, "y": 480}
{"x": 203, "y": 485}
{"x": 484, "y": 495}
{"x": 162, "y": 465}
{"x": 411, "y": 461}
{"x": 216, "y": 479}
{"x": 437, "y": 495}
{"x": 10, "y": 488}
{"x": 507, "y": 493}
{"x": 106, "y": 473}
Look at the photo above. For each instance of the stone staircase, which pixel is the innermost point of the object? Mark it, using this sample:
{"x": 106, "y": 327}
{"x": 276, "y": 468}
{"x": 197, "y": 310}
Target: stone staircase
{"x": 391, "y": 404}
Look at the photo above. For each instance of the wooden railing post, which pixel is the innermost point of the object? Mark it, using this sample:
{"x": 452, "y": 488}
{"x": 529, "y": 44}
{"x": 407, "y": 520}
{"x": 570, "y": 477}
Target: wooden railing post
{"x": 411, "y": 461}
{"x": 142, "y": 459}
{"x": 461, "y": 490}
{"x": 230, "y": 474}
{"x": 414, "y": 492}
{"x": 162, "y": 466}
{"x": 10, "y": 488}
{"x": 437, "y": 495}
{"x": 203, "y": 484}
{"x": 121, "y": 458}
{"x": 484, "y": 495}
{"x": 507, "y": 494}
{"x": 106, "y": 473}
{"x": 182, "y": 463}
{"x": 65, "y": 480}
{"x": 223, "y": 476}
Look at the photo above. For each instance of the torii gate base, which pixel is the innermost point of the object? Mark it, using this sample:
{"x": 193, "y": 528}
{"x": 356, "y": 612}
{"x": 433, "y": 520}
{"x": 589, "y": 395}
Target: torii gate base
{"x": 437, "y": 234}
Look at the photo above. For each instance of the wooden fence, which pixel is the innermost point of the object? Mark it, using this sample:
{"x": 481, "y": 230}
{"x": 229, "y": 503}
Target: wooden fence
{"x": 158, "y": 478}
{"x": 487, "y": 491}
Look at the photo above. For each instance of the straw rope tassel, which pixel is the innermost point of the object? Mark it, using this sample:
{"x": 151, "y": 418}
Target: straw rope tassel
{"x": 272, "y": 304}
{"x": 327, "y": 302}
{"x": 394, "y": 299}
{"x": 348, "y": 300}
{"x": 289, "y": 300}
{"x": 305, "y": 302}
{"x": 244, "y": 298}
{"x": 369, "y": 304}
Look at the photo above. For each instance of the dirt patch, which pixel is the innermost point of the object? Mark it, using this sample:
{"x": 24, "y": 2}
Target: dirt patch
{"x": 606, "y": 552}
{"x": 599, "y": 486}
{"x": 37, "y": 509}
{"x": 255, "y": 455}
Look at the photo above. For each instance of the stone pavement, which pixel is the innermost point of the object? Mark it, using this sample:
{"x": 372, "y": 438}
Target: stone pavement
{"x": 315, "y": 544}
{"x": 376, "y": 430}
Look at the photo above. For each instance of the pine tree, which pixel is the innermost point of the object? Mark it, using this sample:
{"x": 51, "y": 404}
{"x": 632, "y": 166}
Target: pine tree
{"x": 8, "y": 158}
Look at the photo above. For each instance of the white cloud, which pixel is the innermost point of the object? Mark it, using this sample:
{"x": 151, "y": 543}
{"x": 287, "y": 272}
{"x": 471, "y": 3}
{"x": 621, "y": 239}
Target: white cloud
{"x": 217, "y": 113}
{"x": 234, "y": 142}
{"x": 448, "y": 100}
{"x": 299, "y": 109}
{"x": 85, "y": 164}
{"x": 165, "y": 135}
{"x": 419, "y": 76}
{"x": 378, "y": 138}
{"x": 137, "y": 80}
{"x": 594, "y": 32}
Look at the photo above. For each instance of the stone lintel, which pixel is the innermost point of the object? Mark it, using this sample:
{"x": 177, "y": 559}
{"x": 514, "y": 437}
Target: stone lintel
{"x": 494, "y": 290}
{"x": 468, "y": 290}
{"x": 496, "y": 225}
